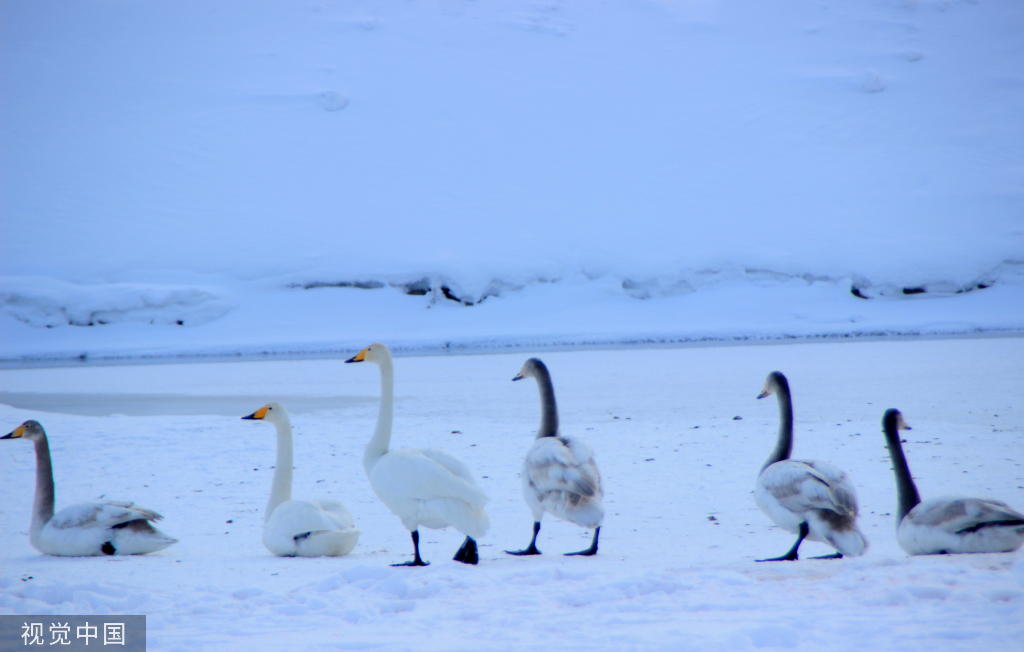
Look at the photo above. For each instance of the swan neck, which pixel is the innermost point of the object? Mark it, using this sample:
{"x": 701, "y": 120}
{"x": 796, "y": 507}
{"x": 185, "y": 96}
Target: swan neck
{"x": 42, "y": 506}
{"x": 378, "y": 445}
{"x": 281, "y": 485}
{"x": 784, "y": 445}
{"x": 906, "y": 491}
{"x": 548, "y": 407}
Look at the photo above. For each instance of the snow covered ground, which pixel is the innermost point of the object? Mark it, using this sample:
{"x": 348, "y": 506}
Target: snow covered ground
{"x": 675, "y": 570}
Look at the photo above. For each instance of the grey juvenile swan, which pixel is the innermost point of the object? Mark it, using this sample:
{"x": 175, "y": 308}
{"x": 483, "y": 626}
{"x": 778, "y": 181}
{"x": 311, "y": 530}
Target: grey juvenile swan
{"x": 559, "y": 474}
{"x": 811, "y": 499}
{"x": 104, "y": 527}
{"x": 948, "y": 524}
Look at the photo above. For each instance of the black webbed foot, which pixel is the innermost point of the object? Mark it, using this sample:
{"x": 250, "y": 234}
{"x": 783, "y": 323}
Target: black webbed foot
{"x": 791, "y": 555}
{"x": 835, "y": 555}
{"x": 532, "y": 550}
{"x": 592, "y": 550}
{"x": 416, "y": 549}
{"x": 468, "y": 553}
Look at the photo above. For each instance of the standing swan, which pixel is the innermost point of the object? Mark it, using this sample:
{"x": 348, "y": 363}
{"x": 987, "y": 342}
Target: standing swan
{"x": 300, "y": 528}
{"x": 811, "y": 499}
{"x": 92, "y": 528}
{"x": 559, "y": 474}
{"x": 949, "y": 524}
{"x": 421, "y": 486}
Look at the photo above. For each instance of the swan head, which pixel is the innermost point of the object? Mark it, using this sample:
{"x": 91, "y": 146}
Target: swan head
{"x": 30, "y": 430}
{"x": 272, "y": 412}
{"x": 893, "y": 419}
{"x": 775, "y": 382}
{"x": 532, "y": 368}
{"x": 376, "y": 352}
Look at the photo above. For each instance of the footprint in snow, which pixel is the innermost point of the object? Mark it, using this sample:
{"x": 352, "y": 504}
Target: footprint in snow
{"x": 331, "y": 101}
{"x": 872, "y": 82}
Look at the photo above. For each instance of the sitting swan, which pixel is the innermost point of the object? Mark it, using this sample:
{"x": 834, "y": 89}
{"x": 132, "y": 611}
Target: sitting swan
{"x": 949, "y": 524}
{"x": 300, "y": 528}
{"x": 421, "y": 486}
{"x": 811, "y": 499}
{"x": 559, "y": 474}
{"x": 92, "y": 528}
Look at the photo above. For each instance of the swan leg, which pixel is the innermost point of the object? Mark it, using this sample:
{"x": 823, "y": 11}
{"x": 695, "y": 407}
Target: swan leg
{"x": 416, "y": 547}
{"x": 835, "y": 555}
{"x": 108, "y": 549}
{"x": 467, "y": 554}
{"x": 791, "y": 555}
{"x": 592, "y": 550}
{"x": 532, "y": 550}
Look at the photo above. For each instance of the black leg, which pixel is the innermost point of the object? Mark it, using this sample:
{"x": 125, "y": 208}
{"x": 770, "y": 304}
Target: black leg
{"x": 108, "y": 549}
{"x": 467, "y": 554}
{"x": 791, "y": 555}
{"x": 532, "y": 550}
{"x": 416, "y": 547}
{"x": 592, "y": 550}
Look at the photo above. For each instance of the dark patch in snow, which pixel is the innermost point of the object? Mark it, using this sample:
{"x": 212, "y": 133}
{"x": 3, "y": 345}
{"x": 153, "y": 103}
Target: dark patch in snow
{"x": 363, "y": 285}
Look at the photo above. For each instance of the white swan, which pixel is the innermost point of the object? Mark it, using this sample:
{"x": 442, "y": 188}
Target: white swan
{"x": 92, "y": 528}
{"x": 559, "y": 474}
{"x": 948, "y": 524}
{"x": 811, "y": 499}
{"x": 300, "y": 528}
{"x": 421, "y": 486}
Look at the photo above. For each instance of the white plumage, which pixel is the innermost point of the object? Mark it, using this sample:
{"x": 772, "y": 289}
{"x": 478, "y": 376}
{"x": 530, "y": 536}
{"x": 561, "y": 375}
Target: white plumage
{"x": 947, "y": 524}
{"x": 300, "y": 528}
{"x": 106, "y": 527}
{"x": 421, "y": 486}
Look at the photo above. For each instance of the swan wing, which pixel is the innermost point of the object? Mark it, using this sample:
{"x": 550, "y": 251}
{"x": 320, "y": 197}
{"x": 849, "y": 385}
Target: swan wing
{"x": 798, "y": 487}
{"x": 558, "y": 464}
{"x": 956, "y": 514}
{"x": 410, "y": 474}
{"x": 336, "y": 512}
{"x": 454, "y": 465}
{"x": 101, "y": 514}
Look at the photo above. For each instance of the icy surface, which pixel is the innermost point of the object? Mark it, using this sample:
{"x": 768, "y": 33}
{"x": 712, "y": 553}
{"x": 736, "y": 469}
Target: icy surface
{"x": 675, "y": 570}
{"x": 186, "y": 179}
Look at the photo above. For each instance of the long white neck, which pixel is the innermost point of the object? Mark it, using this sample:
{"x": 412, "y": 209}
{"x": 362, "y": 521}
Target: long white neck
{"x": 42, "y": 505}
{"x": 378, "y": 445}
{"x": 281, "y": 487}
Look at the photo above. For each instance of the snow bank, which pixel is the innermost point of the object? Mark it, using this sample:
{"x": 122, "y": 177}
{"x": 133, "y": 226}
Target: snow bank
{"x": 167, "y": 163}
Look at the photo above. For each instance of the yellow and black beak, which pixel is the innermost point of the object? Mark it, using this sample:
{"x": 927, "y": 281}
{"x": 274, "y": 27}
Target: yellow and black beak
{"x": 359, "y": 357}
{"x": 764, "y": 393}
{"x": 258, "y": 414}
{"x": 519, "y": 376}
{"x": 17, "y": 433}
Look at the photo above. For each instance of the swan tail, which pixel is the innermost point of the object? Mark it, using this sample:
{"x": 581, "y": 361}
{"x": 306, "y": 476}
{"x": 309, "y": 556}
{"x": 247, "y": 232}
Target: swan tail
{"x": 465, "y": 518}
{"x": 851, "y": 543}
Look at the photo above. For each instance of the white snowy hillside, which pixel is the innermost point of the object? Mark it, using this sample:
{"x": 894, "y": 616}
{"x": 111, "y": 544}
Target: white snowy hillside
{"x": 183, "y": 177}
